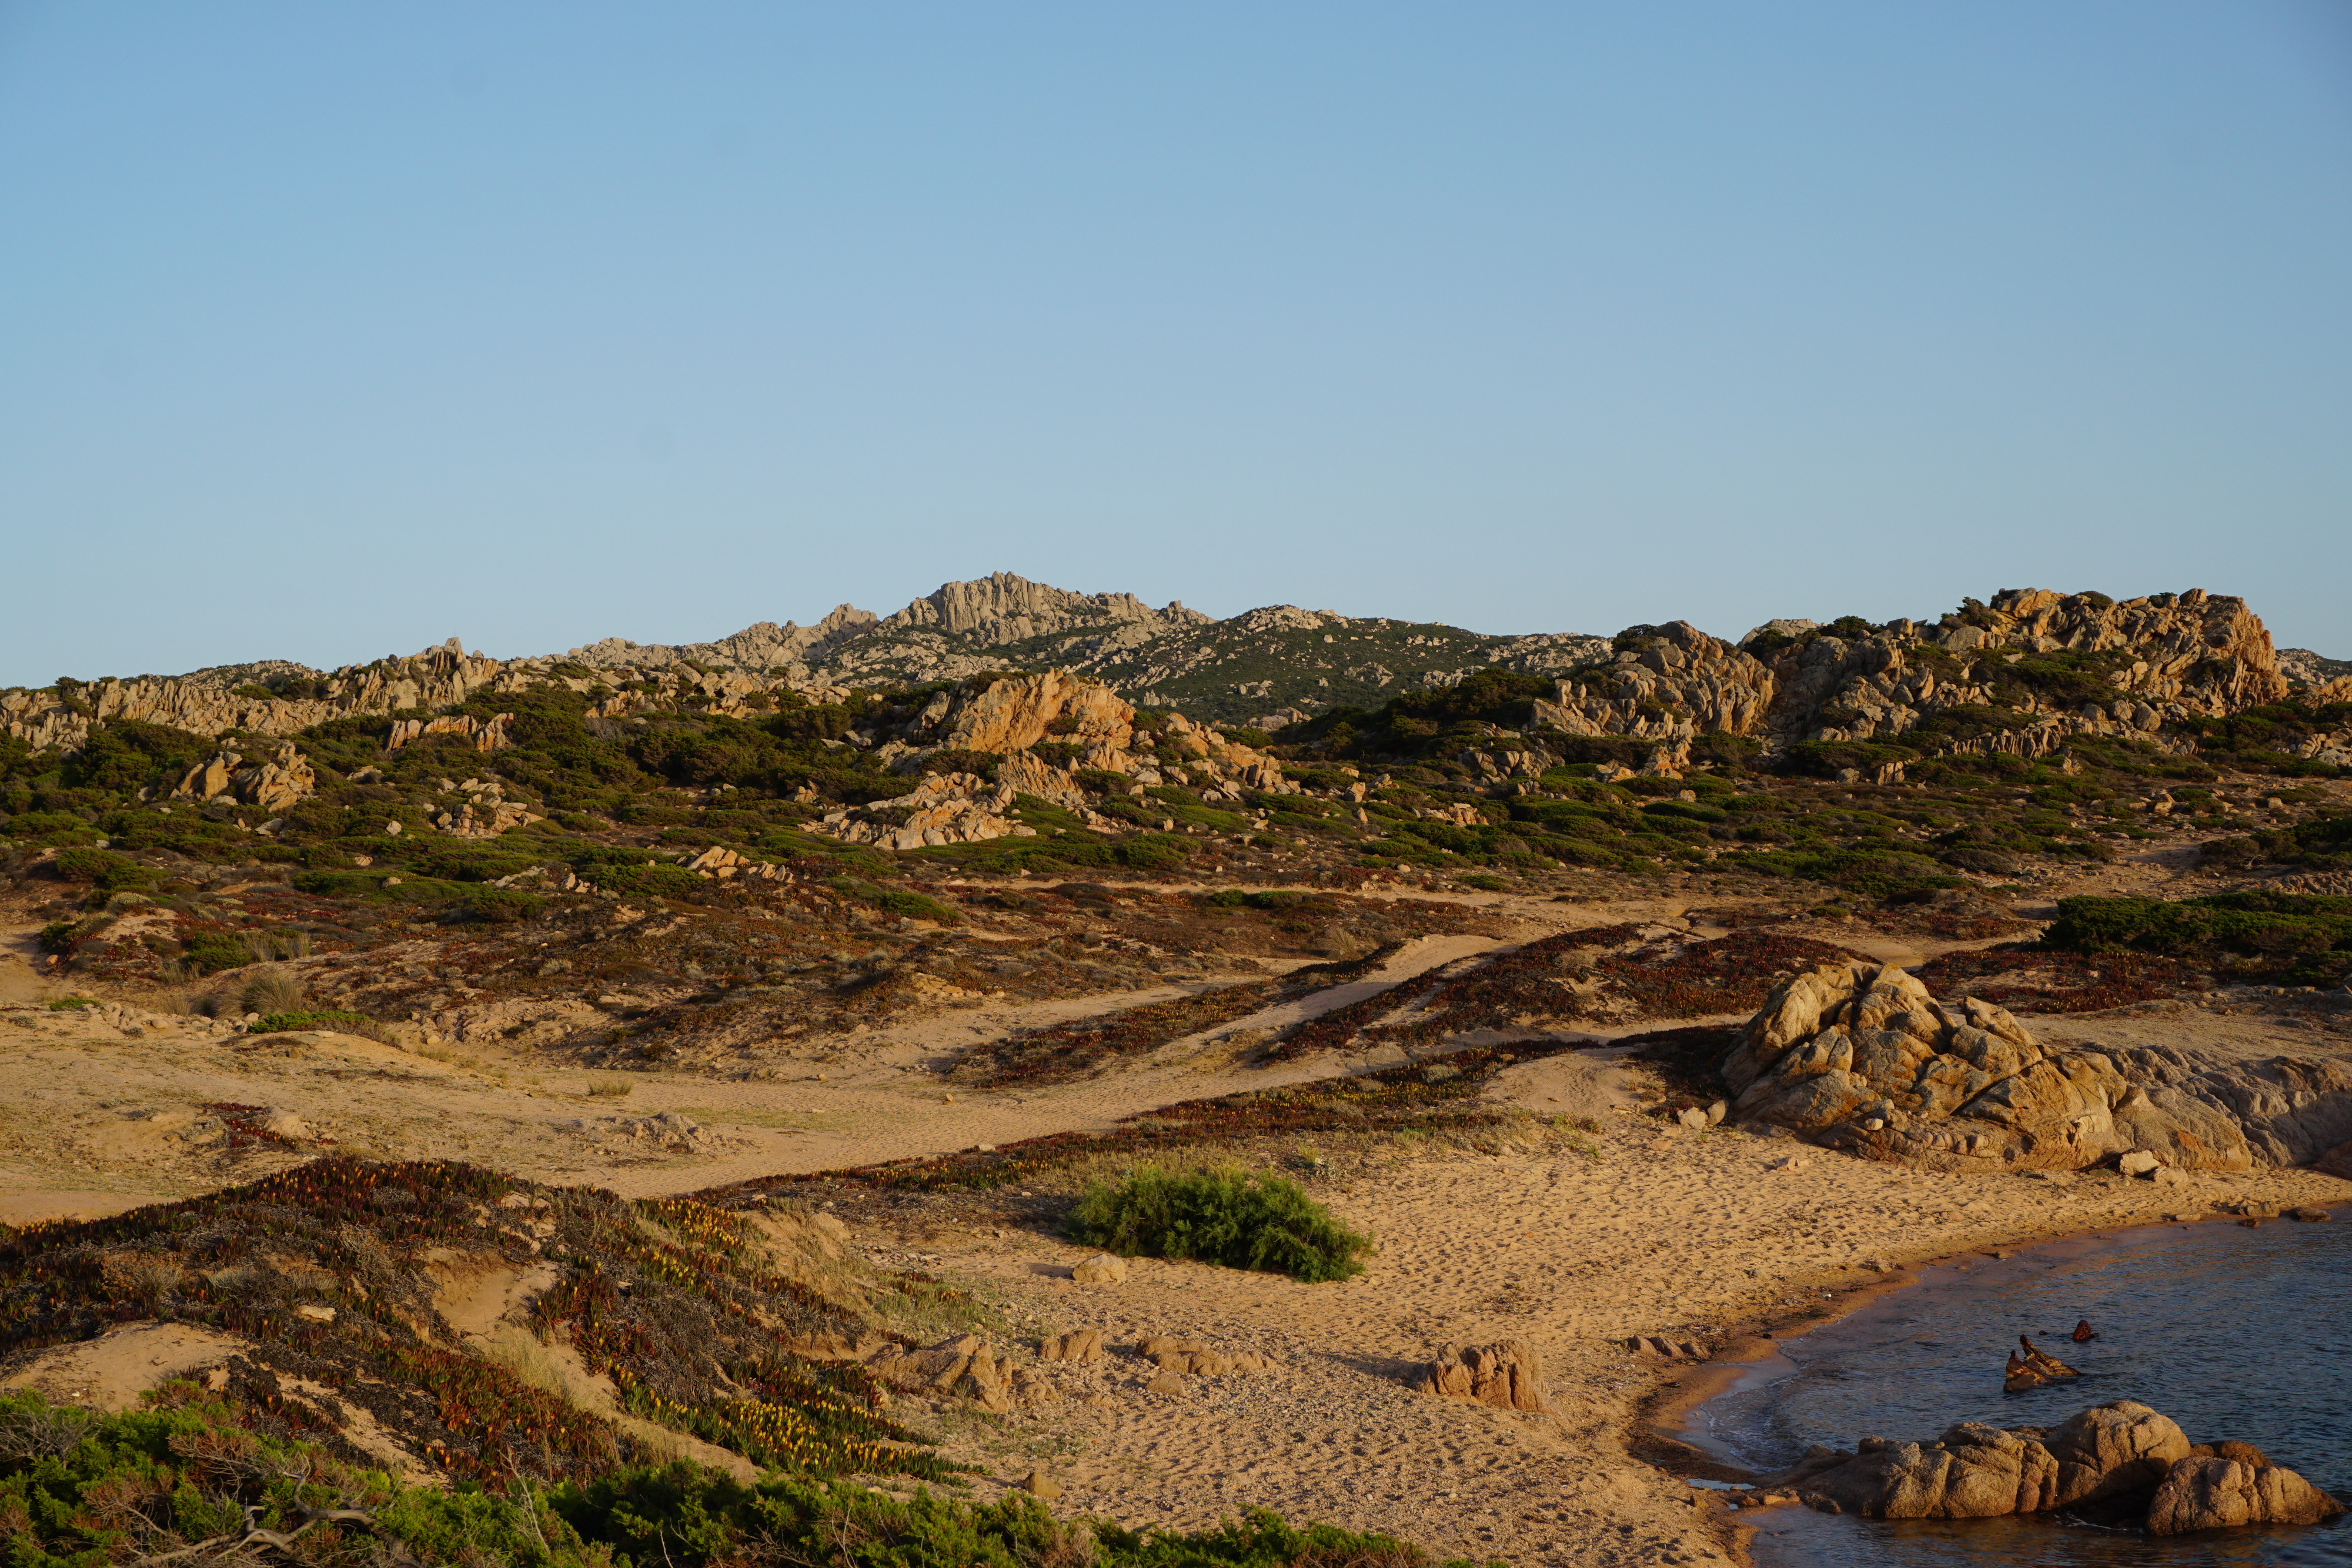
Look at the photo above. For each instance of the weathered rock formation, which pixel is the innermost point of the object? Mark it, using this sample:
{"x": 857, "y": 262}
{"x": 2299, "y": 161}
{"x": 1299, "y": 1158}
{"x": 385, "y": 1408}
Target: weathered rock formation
{"x": 2173, "y": 656}
{"x": 1189, "y": 1358}
{"x": 1859, "y": 1057}
{"x": 273, "y": 783}
{"x": 2233, "y": 1484}
{"x": 1508, "y": 1374}
{"x": 959, "y": 1368}
{"x": 1019, "y": 711}
{"x": 438, "y": 678}
{"x": 2125, "y": 1457}
{"x": 1670, "y": 682}
{"x": 482, "y": 734}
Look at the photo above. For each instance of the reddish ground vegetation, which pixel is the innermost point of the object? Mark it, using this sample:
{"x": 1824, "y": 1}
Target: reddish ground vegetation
{"x": 2025, "y": 979}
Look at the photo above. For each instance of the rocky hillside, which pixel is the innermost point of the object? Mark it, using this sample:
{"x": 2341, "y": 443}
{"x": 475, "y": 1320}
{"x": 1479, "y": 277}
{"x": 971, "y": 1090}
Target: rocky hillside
{"x": 1264, "y": 667}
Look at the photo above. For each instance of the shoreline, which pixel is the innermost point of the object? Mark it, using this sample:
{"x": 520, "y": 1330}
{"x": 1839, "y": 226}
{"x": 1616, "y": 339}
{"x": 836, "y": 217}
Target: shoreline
{"x": 1659, "y": 1435}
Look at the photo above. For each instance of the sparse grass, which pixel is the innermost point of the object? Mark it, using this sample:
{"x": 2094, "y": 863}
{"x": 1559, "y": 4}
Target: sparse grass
{"x": 611, "y": 1087}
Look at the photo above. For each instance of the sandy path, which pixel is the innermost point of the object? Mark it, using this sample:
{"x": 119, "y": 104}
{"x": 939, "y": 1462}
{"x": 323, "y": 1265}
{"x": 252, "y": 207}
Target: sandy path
{"x": 21, "y": 979}
{"x": 103, "y": 1101}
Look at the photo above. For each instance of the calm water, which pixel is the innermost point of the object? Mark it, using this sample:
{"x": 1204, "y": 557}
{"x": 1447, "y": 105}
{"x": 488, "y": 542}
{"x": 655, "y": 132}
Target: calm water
{"x": 2232, "y": 1333}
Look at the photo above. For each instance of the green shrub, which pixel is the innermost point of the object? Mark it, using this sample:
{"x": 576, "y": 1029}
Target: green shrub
{"x": 1230, "y": 1217}
{"x": 633, "y": 874}
{"x": 209, "y": 952}
{"x": 51, "y": 828}
{"x": 503, "y": 905}
{"x": 2299, "y": 937}
{"x": 102, "y": 869}
{"x": 394, "y": 887}
{"x": 82, "y": 1489}
{"x": 1152, "y": 853}
{"x": 329, "y": 1018}
{"x": 72, "y": 1004}
{"x": 897, "y": 901}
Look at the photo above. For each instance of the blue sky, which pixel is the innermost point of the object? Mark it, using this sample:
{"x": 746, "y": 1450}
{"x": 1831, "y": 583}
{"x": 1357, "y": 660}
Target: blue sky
{"x": 330, "y": 332}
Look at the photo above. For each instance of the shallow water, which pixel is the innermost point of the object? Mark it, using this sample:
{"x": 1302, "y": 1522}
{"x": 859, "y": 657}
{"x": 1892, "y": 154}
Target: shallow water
{"x": 2232, "y": 1333}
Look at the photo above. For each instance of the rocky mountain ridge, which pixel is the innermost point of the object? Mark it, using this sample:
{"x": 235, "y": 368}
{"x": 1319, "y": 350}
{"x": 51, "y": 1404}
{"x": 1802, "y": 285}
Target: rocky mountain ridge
{"x": 2021, "y": 674}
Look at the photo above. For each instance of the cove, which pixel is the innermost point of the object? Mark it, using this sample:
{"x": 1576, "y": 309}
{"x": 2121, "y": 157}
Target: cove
{"x": 2233, "y": 1333}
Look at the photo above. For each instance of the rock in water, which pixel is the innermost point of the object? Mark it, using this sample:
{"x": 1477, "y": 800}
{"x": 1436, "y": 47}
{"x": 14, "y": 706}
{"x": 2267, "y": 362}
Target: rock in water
{"x": 1978, "y": 1471}
{"x": 2216, "y": 1493}
{"x": 1503, "y": 1374}
{"x": 2084, "y": 1331}
{"x": 2043, "y": 1362}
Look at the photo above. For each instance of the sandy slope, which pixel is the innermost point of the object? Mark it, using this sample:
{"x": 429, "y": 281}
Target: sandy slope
{"x": 1573, "y": 1241}
{"x": 1660, "y": 1232}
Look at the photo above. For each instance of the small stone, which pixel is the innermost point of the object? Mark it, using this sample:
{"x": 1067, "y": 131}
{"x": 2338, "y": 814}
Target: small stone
{"x": 1166, "y": 1382}
{"x": 1717, "y": 1111}
{"x": 1790, "y": 1163}
{"x": 1874, "y": 1124}
{"x": 1102, "y": 1268}
{"x": 2137, "y": 1162}
{"x": 2309, "y": 1214}
{"x": 317, "y": 1315}
{"x": 1694, "y": 1118}
{"x": 1040, "y": 1484}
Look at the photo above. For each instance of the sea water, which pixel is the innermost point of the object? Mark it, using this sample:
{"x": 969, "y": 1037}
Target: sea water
{"x": 2233, "y": 1333}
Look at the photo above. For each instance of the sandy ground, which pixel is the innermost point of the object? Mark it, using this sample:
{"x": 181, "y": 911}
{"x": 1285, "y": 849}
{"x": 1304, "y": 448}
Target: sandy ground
{"x": 1680, "y": 1233}
{"x": 1573, "y": 1242}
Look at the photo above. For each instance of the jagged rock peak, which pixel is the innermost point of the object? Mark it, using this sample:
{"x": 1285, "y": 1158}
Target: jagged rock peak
{"x": 1007, "y": 608}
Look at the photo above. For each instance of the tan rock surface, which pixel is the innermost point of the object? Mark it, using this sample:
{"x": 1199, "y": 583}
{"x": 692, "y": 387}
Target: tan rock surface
{"x": 1508, "y": 1374}
{"x": 1861, "y": 1058}
{"x": 2219, "y": 1493}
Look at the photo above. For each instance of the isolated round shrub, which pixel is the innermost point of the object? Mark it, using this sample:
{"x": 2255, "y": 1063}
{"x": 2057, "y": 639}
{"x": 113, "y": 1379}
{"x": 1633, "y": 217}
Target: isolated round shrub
{"x": 1235, "y": 1218}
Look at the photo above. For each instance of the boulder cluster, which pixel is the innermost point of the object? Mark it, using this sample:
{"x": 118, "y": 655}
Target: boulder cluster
{"x": 1006, "y": 716}
{"x": 2123, "y": 1463}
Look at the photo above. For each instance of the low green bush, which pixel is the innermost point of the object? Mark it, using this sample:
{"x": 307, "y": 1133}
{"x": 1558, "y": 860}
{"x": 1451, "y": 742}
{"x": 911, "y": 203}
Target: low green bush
{"x": 2301, "y": 938}
{"x": 210, "y": 952}
{"x": 634, "y": 873}
{"x": 102, "y": 869}
{"x": 328, "y": 1018}
{"x": 1152, "y": 853}
{"x": 897, "y": 901}
{"x": 1230, "y": 1217}
{"x": 503, "y": 905}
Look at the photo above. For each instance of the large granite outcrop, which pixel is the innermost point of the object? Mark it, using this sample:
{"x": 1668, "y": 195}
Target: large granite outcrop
{"x": 1019, "y": 711}
{"x": 1860, "y": 1057}
{"x": 2175, "y": 657}
{"x": 438, "y": 678}
{"x": 1671, "y": 682}
{"x": 2129, "y": 1462}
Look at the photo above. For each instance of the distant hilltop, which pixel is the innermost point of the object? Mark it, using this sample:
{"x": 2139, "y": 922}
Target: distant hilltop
{"x": 2129, "y": 666}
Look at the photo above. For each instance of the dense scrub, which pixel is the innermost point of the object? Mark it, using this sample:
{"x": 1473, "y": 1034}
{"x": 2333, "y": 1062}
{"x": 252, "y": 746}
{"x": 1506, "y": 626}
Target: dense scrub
{"x": 193, "y": 1480}
{"x": 2290, "y": 938}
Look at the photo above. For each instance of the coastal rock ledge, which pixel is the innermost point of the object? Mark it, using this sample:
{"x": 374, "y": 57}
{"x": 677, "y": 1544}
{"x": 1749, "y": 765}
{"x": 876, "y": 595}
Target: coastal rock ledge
{"x": 1861, "y": 1058}
{"x": 2119, "y": 1464}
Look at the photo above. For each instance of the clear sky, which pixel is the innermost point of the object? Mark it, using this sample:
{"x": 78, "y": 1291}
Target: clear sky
{"x": 329, "y": 331}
